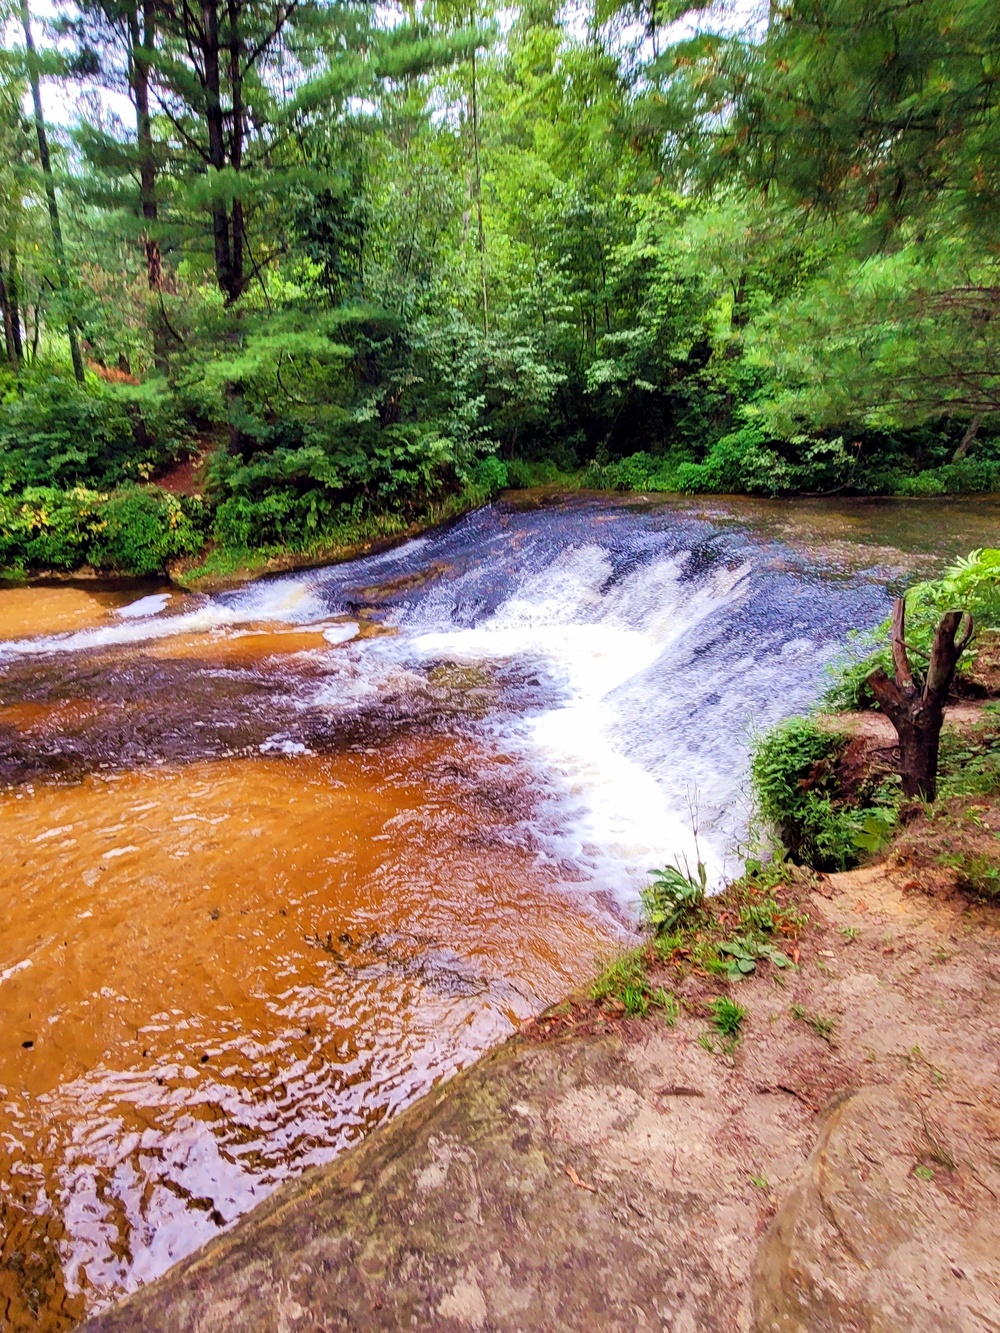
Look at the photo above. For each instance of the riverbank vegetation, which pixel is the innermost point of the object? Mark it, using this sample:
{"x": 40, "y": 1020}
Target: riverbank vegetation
{"x": 829, "y": 787}
{"x": 364, "y": 266}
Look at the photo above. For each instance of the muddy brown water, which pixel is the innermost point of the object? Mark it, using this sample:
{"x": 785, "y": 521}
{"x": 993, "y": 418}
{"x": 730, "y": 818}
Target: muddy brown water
{"x": 267, "y": 876}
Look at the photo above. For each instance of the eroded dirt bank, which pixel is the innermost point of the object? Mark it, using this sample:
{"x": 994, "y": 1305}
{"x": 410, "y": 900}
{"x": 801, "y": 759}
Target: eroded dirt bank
{"x": 839, "y": 1170}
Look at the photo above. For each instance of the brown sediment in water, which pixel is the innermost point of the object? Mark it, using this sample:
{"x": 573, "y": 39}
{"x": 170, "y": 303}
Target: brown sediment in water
{"x": 61, "y": 608}
{"x": 249, "y": 644}
{"x": 216, "y": 976}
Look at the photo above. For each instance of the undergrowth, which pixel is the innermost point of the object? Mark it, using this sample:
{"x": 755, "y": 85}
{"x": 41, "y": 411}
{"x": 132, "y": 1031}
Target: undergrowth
{"x": 725, "y": 937}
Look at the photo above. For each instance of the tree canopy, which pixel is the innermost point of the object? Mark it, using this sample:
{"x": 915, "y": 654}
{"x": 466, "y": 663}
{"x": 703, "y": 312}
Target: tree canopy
{"x": 371, "y": 263}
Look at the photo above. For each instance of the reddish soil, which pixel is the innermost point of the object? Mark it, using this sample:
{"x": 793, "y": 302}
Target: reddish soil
{"x": 187, "y": 476}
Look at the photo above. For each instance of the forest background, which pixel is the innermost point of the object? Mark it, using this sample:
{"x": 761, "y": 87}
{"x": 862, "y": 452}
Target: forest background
{"x": 368, "y": 264}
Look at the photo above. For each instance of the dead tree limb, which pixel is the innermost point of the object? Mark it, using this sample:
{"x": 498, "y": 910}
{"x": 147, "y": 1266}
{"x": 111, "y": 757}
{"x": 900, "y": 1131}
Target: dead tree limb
{"x": 916, "y": 709}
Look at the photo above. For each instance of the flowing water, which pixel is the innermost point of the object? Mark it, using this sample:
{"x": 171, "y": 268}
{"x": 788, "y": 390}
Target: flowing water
{"x": 277, "y": 860}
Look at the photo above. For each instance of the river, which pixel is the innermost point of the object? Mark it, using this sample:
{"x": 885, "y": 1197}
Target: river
{"x": 277, "y": 860}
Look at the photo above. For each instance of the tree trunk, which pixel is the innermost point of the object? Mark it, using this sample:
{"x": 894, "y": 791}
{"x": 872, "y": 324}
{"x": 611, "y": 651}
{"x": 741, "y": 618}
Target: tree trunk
{"x": 50, "y": 188}
{"x": 143, "y": 46}
{"x": 235, "y": 44}
{"x": 968, "y": 438}
{"x": 215, "y": 125}
{"x": 478, "y": 182}
{"x": 14, "y": 297}
{"x": 917, "y": 711}
{"x": 8, "y": 327}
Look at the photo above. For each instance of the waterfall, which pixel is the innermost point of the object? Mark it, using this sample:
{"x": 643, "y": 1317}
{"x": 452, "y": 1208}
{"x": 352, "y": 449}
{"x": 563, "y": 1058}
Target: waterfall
{"x": 640, "y": 648}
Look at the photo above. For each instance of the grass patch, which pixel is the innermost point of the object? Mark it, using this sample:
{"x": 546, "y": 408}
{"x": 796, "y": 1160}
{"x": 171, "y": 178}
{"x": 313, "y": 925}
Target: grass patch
{"x": 624, "y": 983}
{"x": 977, "y": 873}
{"x": 726, "y": 1016}
{"x": 823, "y": 1027}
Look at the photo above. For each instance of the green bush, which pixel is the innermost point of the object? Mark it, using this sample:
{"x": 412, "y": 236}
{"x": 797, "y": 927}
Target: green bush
{"x": 523, "y": 474}
{"x": 141, "y": 530}
{"x": 298, "y": 482}
{"x": 967, "y": 476}
{"x": 741, "y": 461}
{"x": 55, "y": 433}
{"x": 131, "y": 531}
{"x": 794, "y": 783}
{"x": 637, "y": 472}
{"x": 488, "y": 478}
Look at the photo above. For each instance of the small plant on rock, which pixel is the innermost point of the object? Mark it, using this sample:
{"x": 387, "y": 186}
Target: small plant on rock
{"x": 673, "y": 897}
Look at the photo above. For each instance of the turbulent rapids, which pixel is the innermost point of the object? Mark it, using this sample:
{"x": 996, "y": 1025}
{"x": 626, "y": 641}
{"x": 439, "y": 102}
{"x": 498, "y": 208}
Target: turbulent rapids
{"x": 278, "y": 859}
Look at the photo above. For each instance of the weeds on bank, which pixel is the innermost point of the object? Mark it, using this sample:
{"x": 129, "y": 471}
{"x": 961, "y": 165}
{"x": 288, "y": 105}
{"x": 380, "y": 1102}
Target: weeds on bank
{"x": 625, "y": 982}
{"x": 727, "y": 1015}
{"x": 977, "y": 874}
{"x": 969, "y": 763}
{"x": 823, "y": 1027}
{"x": 730, "y": 935}
{"x": 726, "y": 937}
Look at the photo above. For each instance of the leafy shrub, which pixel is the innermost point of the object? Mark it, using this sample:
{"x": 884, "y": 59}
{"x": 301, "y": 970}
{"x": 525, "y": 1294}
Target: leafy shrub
{"x": 637, "y": 472}
{"x": 523, "y": 474}
{"x": 487, "y": 478}
{"x": 301, "y": 481}
{"x": 741, "y": 461}
{"x": 793, "y": 782}
{"x": 672, "y": 896}
{"x": 967, "y": 476}
{"x": 748, "y": 461}
{"x": 55, "y": 433}
{"x": 132, "y": 531}
{"x": 141, "y": 530}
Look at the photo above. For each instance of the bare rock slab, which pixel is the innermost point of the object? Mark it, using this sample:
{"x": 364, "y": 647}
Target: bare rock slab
{"x": 869, "y": 1242}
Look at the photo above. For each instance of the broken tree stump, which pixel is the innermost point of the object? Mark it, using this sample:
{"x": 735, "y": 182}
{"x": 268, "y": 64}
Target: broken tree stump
{"x": 915, "y": 708}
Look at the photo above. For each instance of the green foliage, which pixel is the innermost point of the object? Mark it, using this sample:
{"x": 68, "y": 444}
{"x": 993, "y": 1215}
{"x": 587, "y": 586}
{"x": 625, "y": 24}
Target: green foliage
{"x": 673, "y": 897}
{"x": 405, "y": 280}
{"x": 741, "y": 954}
{"x": 131, "y": 531}
{"x": 874, "y": 828}
{"x": 53, "y": 433}
{"x": 637, "y": 472}
{"x": 794, "y": 783}
{"x": 977, "y": 874}
{"x": 969, "y": 762}
{"x": 727, "y": 1016}
{"x": 305, "y": 480}
{"x": 625, "y": 982}
{"x": 141, "y": 530}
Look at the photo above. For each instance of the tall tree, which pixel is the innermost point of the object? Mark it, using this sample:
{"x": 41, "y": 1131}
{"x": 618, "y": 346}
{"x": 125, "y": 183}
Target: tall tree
{"x": 45, "y": 162}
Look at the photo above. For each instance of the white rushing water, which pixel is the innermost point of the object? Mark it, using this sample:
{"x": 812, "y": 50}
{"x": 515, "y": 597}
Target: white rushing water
{"x": 661, "y": 644}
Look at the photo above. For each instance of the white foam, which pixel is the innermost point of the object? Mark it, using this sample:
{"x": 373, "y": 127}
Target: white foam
{"x": 145, "y": 606}
{"x": 292, "y": 601}
{"x": 341, "y": 633}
